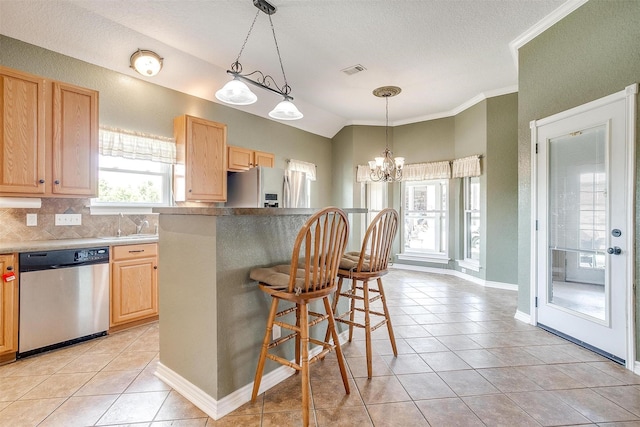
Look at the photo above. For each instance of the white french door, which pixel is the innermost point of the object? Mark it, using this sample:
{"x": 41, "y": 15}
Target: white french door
{"x": 583, "y": 236}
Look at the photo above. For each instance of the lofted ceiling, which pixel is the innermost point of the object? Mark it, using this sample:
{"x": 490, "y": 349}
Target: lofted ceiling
{"x": 444, "y": 54}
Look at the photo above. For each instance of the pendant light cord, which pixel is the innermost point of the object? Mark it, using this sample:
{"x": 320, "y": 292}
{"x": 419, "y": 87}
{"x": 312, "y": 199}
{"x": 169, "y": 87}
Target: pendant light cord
{"x": 386, "y": 128}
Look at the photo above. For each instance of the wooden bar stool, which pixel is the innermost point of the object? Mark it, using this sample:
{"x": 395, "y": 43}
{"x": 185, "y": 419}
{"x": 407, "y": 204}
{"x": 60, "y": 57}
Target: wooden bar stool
{"x": 369, "y": 264}
{"x": 312, "y": 275}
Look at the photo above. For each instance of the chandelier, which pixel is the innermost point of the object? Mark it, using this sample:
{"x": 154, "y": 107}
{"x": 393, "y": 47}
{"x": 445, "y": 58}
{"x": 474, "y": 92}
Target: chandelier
{"x": 236, "y": 92}
{"x": 386, "y": 168}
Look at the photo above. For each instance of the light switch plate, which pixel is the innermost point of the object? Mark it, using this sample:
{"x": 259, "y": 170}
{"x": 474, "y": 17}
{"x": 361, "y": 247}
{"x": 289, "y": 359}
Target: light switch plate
{"x": 32, "y": 220}
{"x": 68, "y": 219}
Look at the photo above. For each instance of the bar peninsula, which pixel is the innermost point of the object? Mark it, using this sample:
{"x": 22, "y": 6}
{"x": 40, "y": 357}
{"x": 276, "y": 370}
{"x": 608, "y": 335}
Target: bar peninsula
{"x": 212, "y": 315}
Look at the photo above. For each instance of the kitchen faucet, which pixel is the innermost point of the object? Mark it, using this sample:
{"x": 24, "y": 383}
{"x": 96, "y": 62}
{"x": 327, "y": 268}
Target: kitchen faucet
{"x": 141, "y": 225}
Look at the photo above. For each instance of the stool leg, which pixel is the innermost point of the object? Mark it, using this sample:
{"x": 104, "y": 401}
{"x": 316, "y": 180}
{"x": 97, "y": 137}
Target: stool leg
{"x": 336, "y": 341}
{"x": 367, "y": 327}
{"x": 304, "y": 341}
{"x": 334, "y": 306}
{"x": 386, "y": 315}
{"x": 297, "y": 350}
{"x": 265, "y": 348}
{"x": 352, "y": 307}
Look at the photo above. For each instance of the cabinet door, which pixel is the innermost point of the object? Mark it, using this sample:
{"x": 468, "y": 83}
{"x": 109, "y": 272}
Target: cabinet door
{"x": 22, "y": 139}
{"x": 240, "y": 159}
{"x": 134, "y": 290}
{"x": 8, "y": 306}
{"x": 75, "y": 140}
{"x": 206, "y": 168}
{"x": 264, "y": 159}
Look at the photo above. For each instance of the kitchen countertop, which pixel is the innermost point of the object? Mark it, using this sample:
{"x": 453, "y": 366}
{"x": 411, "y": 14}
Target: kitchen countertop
{"x": 245, "y": 211}
{"x": 47, "y": 245}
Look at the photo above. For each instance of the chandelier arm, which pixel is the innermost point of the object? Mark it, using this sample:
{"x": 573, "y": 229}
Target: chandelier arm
{"x": 264, "y": 82}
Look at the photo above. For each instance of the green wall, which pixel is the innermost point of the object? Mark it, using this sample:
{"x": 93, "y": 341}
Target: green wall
{"x": 593, "y": 52}
{"x": 500, "y": 172}
{"x": 135, "y": 104}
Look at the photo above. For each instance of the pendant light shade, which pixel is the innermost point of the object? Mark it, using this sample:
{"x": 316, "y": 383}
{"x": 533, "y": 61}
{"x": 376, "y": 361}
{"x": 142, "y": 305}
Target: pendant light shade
{"x": 236, "y": 92}
{"x": 386, "y": 168}
{"x": 285, "y": 110}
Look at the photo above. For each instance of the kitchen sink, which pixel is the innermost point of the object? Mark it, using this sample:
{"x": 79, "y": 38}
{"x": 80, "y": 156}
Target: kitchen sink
{"x": 130, "y": 237}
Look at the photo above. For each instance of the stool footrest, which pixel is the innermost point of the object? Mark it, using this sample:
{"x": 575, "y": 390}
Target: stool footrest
{"x": 283, "y": 361}
{"x": 319, "y": 318}
{"x": 281, "y": 340}
{"x": 351, "y": 295}
{"x": 287, "y": 326}
{"x": 285, "y": 312}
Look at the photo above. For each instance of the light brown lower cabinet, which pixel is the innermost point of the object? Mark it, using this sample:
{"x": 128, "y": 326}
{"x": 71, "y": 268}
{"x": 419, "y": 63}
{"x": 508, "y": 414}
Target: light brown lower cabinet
{"x": 134, "y": 284}
{"x": 8, "y": 307}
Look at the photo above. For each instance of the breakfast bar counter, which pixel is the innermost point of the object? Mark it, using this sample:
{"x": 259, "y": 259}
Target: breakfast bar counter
{"x": 213, "y": 315}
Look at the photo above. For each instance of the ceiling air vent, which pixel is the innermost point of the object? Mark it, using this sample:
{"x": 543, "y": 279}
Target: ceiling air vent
{"x": 349, "y": 71}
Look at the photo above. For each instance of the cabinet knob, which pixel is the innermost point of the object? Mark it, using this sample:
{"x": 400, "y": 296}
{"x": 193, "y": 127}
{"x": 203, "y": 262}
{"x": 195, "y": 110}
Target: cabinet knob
{"x": 189, "y": 190}
{"x": 155, "y": 267}
{"x": 9, "y": 268}
{"x": 41, "y": 181}
{"x": 57, "y": 181}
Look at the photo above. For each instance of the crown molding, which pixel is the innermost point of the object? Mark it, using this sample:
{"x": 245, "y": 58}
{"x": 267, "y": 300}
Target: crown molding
{"x": 542, "y": 25}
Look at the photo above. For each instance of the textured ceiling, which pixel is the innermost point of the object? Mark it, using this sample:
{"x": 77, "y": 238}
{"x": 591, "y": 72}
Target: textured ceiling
{"x": 444, "y": 54}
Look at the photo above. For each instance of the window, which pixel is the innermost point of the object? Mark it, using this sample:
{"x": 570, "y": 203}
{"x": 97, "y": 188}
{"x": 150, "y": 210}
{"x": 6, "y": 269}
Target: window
{"x": 134, "y": 169}
{"x": 472, "y": 219}
{"x": 126, "y": 181}
{"x": 425, "y": 217}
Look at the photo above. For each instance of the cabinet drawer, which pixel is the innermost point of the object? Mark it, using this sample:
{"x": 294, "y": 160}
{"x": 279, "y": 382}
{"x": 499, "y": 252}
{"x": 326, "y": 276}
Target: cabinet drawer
{"x": 134, "y": 251}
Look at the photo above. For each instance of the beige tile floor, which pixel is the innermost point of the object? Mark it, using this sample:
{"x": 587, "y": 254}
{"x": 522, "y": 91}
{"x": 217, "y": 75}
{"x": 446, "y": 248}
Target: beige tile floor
{"x": 464, "y": 361}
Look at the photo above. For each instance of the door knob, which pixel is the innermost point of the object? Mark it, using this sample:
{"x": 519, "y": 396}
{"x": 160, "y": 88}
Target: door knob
{"x": 614, "y": 250}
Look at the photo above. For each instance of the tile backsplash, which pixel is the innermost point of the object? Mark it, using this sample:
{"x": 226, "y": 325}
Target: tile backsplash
{"x": 13, "y": 222}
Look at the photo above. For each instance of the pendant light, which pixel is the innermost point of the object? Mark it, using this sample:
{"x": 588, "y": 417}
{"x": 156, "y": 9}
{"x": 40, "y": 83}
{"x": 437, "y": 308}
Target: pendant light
{"x": 386, "y": 168}
{"x": 236, "y": 91}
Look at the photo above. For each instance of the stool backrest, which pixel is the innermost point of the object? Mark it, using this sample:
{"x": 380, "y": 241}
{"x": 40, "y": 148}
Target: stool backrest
{"x": 376, "y": 246}
{"x": 317, "y": 251}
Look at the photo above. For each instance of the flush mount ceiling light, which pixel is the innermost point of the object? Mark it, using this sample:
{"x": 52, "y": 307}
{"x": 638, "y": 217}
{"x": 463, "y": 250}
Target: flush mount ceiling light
{"x": 386, "y": 168}
{"x": 236, "y": 92}
{"x": 146, "y": 62}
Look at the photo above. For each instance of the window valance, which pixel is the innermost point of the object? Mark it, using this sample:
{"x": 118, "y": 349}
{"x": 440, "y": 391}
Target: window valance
{"x": 467, "y": 166}
{"x": 300, "y": 166}
{"x": 459, "y": 168}
{"x": 135, "y": 145}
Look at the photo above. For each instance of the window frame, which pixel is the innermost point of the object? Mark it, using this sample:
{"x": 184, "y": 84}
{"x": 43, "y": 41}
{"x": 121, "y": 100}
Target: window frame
{"x": 441, "y": 216}
{"x": 471, "y": 213}
{"x": 166, "y": 194}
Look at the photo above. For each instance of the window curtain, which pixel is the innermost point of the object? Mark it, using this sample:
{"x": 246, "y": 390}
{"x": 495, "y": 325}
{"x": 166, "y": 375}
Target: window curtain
{"x": 137, "y": 146}
{"x": 467, "y": 166}
{"x": 308, "y": 168}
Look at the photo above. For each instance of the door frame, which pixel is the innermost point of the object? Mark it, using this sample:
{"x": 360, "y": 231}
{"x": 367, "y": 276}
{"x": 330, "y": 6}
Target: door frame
{"x": 629, "y": 94}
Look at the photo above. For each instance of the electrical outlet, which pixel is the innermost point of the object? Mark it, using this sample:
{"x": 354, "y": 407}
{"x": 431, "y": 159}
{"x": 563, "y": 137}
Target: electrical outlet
{"x": 463, "y": 270}
{"x": 68, "y": 219}
{"x": 276, "y": 332}
{"x": 32, "y": 220}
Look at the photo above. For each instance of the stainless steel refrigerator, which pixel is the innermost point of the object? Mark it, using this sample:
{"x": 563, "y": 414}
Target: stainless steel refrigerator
{"x": 262, "y": 187}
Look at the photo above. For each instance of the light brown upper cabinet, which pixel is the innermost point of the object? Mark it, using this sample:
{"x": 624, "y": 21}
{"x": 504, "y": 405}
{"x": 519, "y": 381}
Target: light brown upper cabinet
{"x": 49, "y": 139}
{"x": 242, "y": 159}
{"x": 201, "y": 156}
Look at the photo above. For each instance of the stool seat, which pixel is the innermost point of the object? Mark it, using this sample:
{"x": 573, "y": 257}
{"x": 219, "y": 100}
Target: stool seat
{"x": 312, "y": 275}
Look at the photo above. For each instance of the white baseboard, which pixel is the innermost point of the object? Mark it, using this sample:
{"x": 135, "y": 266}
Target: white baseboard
{"x": 456, "y": 273}
{"x": 217, "y": 409}
{"x": 523, "y": 317}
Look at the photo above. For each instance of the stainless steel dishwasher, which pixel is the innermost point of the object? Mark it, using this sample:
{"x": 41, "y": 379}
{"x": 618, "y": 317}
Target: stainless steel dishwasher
{"x": 64, "y": 298}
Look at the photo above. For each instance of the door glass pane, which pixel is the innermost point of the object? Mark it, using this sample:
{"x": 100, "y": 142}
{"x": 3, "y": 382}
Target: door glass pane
{"x": 578, "y": 223}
